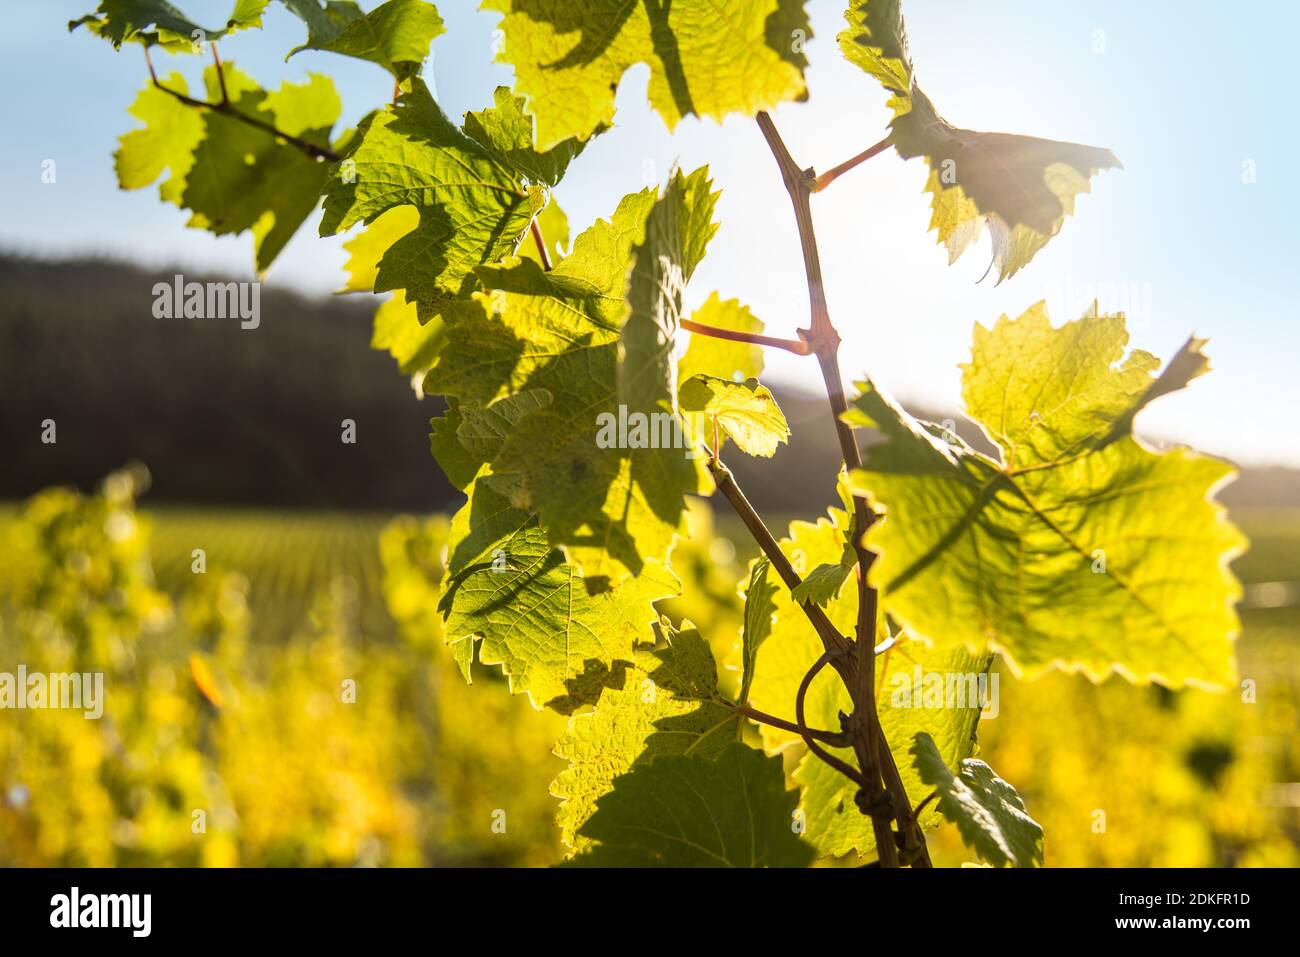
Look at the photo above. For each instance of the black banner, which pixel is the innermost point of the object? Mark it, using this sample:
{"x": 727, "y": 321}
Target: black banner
{"x": 523, "y": 908}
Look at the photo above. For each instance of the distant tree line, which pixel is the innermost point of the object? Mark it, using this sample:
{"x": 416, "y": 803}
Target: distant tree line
{"x": 225, "y": 415}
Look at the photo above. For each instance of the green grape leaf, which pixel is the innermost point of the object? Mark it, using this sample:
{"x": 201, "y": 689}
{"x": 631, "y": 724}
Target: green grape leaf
{"x": 907, "y": 698}
{"x": 689, "y": 810}
{"x": 1020, "y": 187}
{"x": 668, "y": 703}
{"x": 1082, "y": 548}
{"x": 708, "y": 355}
{"x": 397, "y": 331}
{"x": 988, "y": 812}
{"x": 159, "y": 23}
{"x": 757, "y": 626}
{"x": 368, "y": 246}
{"x": 745, "y": 411}
{"x": 538, "y": 617}
{"x": 507, "y": 131}
{"x": 824, "y": 582}
{"x": 325, "y": 20}
{"x": 1044, "y": 395}
{"x": 232, "y": 176}
{"x": 166, "y": 142}
{"x": 456, "y": 461}
{"x": 397, "y": 327}
{"x": 484, "y": 430}
{"x": 677, "y": 231}
{"x": 474, "y": 204}
{"x": 472, "y": 207}
{"x": 396, "y": 35}
{"x": 876, "y": 41}
{"x": 607, "y": 479}
{"x": 462, "y": 439}
{"x": 727, "y": 56}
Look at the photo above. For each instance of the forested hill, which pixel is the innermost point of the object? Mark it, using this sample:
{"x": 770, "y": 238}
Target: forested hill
{"x": 218, "y": 413}
{"x": 226, "y": 415}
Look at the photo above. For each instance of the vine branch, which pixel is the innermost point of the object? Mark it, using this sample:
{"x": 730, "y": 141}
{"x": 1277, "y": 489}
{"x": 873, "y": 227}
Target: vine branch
{"x": 820, "y": 331}
{"x": 798, "y": 346}
{"x": 838, "y": 653}
{"x": 835, "y": 644}
{"x": 226, "y": 108}
{"x": 831, "y": 175}
{"x": 880, "y": 775}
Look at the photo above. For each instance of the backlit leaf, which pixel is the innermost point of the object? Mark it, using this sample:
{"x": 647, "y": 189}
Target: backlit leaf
{"x": 757, "y": 626}
{"x": 726, "y": 56}
{"x": 668, "y": 703}
{"x": 232, "y": 176}
{"x": 538, "y": 617}
{"x": 396, "y": 35}
{"x": 988, "y": 811}
{"x": 157, "y": 22}
{"x": 1082, "y": 548}
{"x": 730, "y": 810}
{"x": 612, "y": 497}
{"x": 474, "y": 204}
{"x": 1020, "y": 187}
{"x": 745, "y": 411}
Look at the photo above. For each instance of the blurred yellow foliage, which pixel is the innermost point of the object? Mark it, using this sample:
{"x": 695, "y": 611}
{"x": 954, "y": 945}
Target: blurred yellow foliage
{"x": 333, "y": 748}
{"x": 343, "y": 742}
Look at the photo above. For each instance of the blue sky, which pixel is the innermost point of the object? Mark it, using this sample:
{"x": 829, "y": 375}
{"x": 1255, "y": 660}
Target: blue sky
{"x": 1183, "y": 92}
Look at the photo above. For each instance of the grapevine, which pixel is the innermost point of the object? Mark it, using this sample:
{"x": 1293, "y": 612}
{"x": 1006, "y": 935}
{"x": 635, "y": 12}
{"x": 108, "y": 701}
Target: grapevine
{"x": 569, "y": 407}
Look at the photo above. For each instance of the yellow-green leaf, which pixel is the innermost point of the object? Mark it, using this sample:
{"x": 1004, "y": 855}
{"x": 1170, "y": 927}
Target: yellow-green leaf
{"x": 706, "y": 59}
{"x": 539, "y": 618}
{"x": 234, "y": 177}
{"x": 1020, "y": 187}
{"x": 989, "y": 812}
{"x": 667, "y": 703}
{"x": 757, "y": 625}
{"x": 689, "y": 810}
{"x": 474, "y": 204}
{"x": 745, "y": 411}
{"x": 592, "y": 333}
{"x": 1081, "y": 548}
{"x": 399, "y": 332}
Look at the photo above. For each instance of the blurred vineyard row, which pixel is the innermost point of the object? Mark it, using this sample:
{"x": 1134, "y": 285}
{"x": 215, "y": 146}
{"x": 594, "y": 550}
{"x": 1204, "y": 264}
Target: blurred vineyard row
{"x": 290, "y": 705}
{"x": 285, "y": 699}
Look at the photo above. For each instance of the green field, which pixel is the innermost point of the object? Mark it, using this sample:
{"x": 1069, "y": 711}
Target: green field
{"x": 288, "y": 557}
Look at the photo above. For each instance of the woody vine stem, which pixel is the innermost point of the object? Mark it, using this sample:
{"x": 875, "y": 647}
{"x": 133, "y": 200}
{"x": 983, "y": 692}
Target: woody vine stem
{"x": 880, "y": 795}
